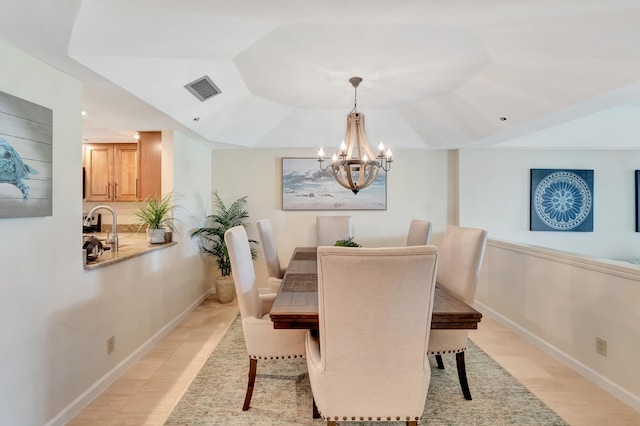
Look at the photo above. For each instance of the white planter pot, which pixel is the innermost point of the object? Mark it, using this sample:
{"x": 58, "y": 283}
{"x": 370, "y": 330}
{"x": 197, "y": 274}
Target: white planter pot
{"x": 155, "y": 236}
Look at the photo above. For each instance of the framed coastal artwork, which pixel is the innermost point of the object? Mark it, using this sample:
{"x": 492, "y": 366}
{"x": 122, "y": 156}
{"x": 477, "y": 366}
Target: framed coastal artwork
{"x": 561, "y": 200}
{"x": 306, "y": 187}
{"x": 26, "y": 158}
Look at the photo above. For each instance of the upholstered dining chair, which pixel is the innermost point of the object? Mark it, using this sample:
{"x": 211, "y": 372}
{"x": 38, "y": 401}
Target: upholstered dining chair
{"x": 461, "y": 253}
{"x": 369, "y": 361}
{"x": 330, "y": 229}
{"x": 419, "y": 232}
{"x": 267, "y": 238}
{"x": 262, "y": 340}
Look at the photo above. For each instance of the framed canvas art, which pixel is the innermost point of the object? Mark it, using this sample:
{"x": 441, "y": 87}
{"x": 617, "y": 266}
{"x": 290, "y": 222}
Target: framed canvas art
{"x": 26, "y": 158}
{"x": 306, "y": 187}
{"x": 561, "y": 200}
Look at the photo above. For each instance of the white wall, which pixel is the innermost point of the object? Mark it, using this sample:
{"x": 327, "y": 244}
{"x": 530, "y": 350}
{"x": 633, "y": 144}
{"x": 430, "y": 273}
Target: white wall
{"x": 562, "y": 302}
{"x": 556, "y": 288}
{"x": 416, "y": 188}
{"x": 495, "y": 195}
{"x": 55, "y": 317}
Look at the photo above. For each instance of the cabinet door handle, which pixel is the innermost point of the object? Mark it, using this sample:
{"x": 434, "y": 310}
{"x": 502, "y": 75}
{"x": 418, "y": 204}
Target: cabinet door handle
{"x": 109, "y": 190}
{"x": 115, "y": 191}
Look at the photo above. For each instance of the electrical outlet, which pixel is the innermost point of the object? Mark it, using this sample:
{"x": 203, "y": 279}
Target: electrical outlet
{"x": 601, "y": 346}
{"x": 111, "y": 344}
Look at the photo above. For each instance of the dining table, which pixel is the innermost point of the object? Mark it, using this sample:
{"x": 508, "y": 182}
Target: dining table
{"x": 296, "y": 304}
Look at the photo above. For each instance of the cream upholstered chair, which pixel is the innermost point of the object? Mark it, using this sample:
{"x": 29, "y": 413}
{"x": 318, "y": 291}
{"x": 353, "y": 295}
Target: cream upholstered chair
{"x": 330, "y": 229}
{"x": 419, "y": 232}
{"x": 370, "y": 360}
{"x": 263, "y": 342}
{"x": 275, "y": 271}
{"x": 459, "y": 265}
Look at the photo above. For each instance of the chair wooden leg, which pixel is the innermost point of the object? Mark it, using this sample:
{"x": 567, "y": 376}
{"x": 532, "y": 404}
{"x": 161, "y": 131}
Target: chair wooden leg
{"x": 439, "y": 361}
{"x": 412, "y": 422}
{"x": 331, "y": 423}
{"x": 316, "y": 413}
{"x": 253, "y": 366}
{"x": 462, "y": 375}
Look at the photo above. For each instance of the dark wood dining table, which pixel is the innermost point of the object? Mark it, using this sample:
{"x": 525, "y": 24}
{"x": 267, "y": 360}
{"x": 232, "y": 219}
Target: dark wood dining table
{"x": 296, "y": 305}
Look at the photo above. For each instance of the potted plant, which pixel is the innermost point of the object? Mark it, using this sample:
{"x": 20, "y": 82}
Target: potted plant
{"x": 156, "y": 214}
{"x": 347, "y": 243}
{"x": 212, "y": 243}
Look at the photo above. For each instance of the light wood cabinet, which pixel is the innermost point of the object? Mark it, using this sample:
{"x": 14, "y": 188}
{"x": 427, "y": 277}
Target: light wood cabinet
{"x": 123, "y": 171}
{"x": 150, "y": 165}
{"x": 111, "y": 172}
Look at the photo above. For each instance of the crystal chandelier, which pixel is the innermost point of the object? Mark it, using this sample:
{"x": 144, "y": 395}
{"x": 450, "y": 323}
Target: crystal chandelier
{"x": 355, "y": 167}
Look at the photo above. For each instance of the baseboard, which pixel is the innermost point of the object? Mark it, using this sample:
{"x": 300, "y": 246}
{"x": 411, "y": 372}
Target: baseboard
{"x": 105, "y": 381}
{"x": 585, "y": 371}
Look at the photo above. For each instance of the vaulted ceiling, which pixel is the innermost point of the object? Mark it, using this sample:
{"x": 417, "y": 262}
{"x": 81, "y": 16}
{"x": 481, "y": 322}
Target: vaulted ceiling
{"x": 437, "y": 74}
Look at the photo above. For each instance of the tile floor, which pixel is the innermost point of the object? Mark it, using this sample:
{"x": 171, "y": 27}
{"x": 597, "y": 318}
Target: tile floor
{"x": 147, "y": 393}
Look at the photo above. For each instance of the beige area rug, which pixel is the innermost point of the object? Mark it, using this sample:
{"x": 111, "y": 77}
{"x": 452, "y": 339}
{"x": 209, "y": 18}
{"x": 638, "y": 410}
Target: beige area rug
{"x": 282, "y": 394}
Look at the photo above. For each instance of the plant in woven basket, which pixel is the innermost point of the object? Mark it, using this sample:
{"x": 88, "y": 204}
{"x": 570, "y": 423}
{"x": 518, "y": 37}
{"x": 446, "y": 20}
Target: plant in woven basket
{"x": 211, "y": 235}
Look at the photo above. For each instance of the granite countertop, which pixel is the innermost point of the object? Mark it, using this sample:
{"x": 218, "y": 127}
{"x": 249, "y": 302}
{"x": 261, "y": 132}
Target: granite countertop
{"x": 132, "y": 244}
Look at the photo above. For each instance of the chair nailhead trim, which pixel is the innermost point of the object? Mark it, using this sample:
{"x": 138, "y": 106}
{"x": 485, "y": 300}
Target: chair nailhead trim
{"x": 362, "y": 419}
{"x": 275, "y": 357}
{"x": 451, "y": 351}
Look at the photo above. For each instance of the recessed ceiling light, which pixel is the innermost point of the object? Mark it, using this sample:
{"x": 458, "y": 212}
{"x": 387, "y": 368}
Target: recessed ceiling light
{"x": 84, "y": 113}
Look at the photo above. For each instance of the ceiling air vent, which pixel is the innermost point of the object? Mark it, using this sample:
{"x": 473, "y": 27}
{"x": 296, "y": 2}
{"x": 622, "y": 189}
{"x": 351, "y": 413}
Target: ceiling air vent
{"x": 203, "y": 88}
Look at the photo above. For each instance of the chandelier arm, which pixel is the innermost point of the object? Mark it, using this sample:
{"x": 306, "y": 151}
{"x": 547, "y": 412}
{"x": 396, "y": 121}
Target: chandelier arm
{"x": 324, "y": 169}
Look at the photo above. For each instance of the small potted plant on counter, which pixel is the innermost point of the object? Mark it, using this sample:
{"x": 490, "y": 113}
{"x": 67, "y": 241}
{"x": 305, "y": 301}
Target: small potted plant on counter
{"x": 211, "y": 238}
{"x": 156, "y": 214}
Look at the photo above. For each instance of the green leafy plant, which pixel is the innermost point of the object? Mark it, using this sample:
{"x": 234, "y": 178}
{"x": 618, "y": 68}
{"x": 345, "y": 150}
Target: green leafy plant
{"x": 157, "y": 212}
{"x": 347, "y": 243}
{"x": 212, "y": 234}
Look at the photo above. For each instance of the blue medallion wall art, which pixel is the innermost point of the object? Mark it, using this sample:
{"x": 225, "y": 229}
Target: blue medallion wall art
{"x": 561, "y": 200}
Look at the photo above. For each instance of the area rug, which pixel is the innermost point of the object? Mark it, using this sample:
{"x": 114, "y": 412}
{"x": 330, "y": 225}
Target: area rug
{"x": 282, "y": 394}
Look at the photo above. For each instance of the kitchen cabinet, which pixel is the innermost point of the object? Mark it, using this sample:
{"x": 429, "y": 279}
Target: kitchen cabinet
{"x": 123, "y": 171}
{"x": 111, "y": 171}
{"x": 150, "y": 164}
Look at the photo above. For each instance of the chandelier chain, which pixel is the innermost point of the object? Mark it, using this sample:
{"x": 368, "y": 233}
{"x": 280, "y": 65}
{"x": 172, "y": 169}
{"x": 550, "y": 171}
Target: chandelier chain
{"x": 355, "y": 99}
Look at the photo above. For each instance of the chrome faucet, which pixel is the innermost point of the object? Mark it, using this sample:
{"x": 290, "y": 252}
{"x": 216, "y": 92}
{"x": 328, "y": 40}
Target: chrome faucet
{"x": 113, "y": 240}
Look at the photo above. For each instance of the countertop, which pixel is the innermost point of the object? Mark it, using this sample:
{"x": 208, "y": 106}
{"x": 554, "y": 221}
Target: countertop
{"x": 132, "y": 244}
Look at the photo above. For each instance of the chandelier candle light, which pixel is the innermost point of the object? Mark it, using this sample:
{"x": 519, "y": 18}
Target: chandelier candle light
{"x": 355, "y": 170}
